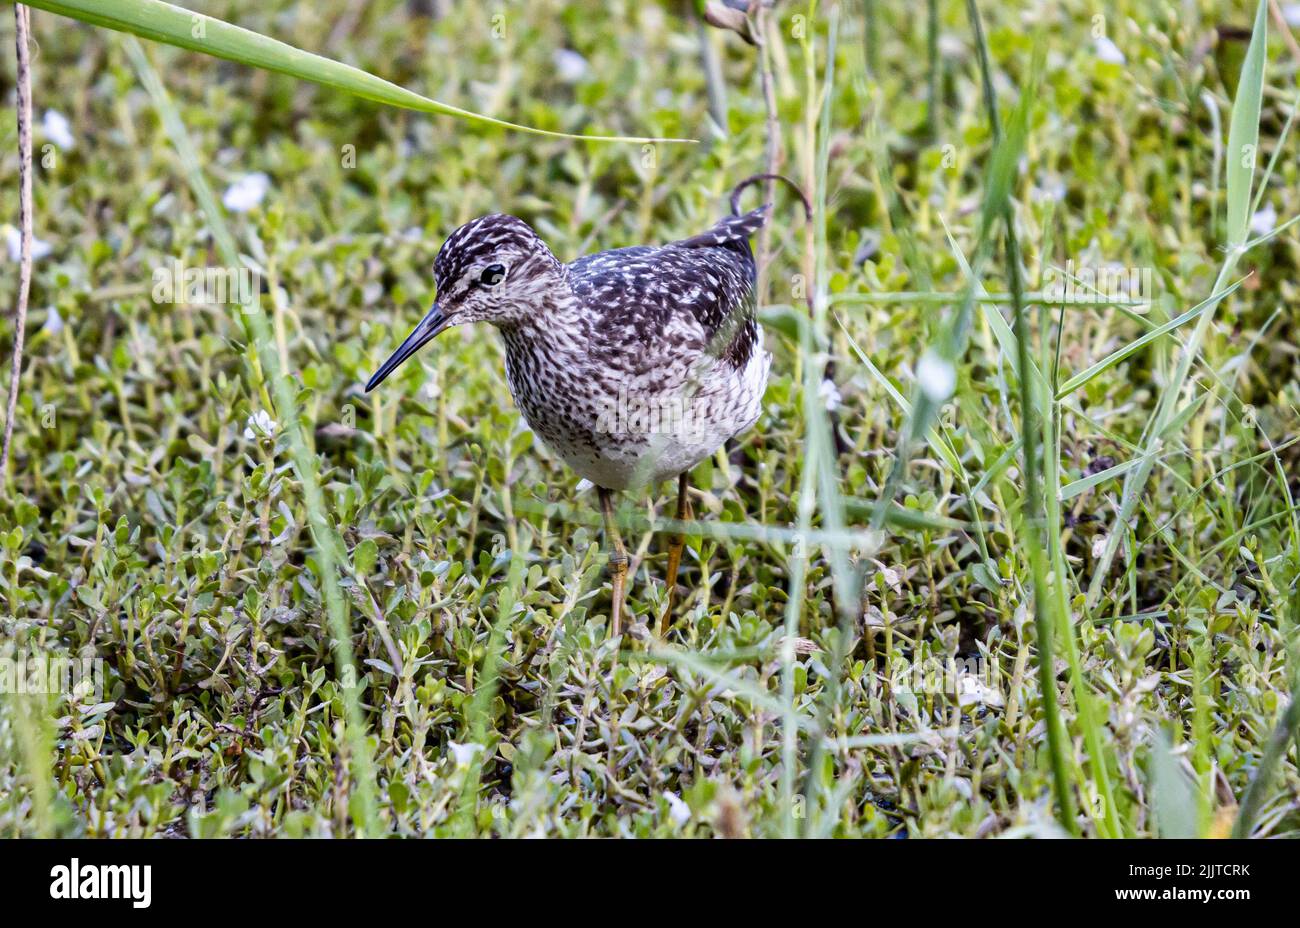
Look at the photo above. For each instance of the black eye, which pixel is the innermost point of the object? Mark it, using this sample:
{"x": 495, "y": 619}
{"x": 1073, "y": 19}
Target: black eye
{"x": 492, "y": 275}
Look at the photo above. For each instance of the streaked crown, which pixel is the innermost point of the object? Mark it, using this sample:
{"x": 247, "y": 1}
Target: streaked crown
{"x": 493, "y": 239}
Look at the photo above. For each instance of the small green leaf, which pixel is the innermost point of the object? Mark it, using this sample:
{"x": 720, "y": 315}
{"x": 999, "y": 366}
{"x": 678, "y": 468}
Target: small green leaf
{"x": 1243, "y": 131}
{"x": 364, "y": 557}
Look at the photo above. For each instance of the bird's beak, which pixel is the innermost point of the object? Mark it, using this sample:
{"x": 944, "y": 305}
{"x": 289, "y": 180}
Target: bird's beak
{"x": 429, "y": 326}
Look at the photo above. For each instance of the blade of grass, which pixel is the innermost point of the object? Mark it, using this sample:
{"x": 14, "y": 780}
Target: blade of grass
{"x": 1243, "y": 130}
{"x": 851, "y": 539}
{"x": 1288, "y": 727}
{"x": 1272, "y": 234}
{"x": 906, "y": 518}
{"x": 31, "y": 729}
{"x": 1277, "y": 151}
{"x": 1075, "y": 487}
{"x": 1084, "y": 377}
{"x": 173, "y": 25}
{"x": 1216, "y": 155}
{"x": 1035, "y": 519}
{"x": 1034, "y": 298}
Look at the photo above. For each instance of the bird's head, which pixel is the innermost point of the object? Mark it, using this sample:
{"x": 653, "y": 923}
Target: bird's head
{"x": 492, "y": 269}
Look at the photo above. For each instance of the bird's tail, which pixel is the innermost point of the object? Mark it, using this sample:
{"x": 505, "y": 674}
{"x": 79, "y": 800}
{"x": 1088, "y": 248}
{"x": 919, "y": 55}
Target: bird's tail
{"x": 738, "y": 227}
{"x": 750, "y": 181}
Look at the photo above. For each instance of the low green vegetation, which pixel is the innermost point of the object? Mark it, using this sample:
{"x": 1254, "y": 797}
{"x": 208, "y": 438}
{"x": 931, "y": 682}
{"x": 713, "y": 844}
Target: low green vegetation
{"x": 924, "y": 596}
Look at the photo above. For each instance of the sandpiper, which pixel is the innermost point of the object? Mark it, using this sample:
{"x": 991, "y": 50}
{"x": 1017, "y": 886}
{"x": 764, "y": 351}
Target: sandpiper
{"x": 633, "y": 365}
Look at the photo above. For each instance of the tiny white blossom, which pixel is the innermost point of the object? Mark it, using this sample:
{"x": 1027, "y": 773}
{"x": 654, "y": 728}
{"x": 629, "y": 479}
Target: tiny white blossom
{"x": 950, "y": 46}
{"x": 1052, "y": 189}
{"x": 678, "y": 811}
{"x": 570, "y": 67}
{"x": 1109, "y": 52}
{"x": 830, "y": 395}
{"x": 938, "y": 377}
{"x": 84, "y": 689}
{"x": 1291, "y": 13}
{"x": 259, "y": 424}
{"x": 971, "y": 690}
{"x": 53, "y": 321}
{"x": 463, "y": 753}
{"x": 57, "y": 129}
{"x": 246, "y": 193}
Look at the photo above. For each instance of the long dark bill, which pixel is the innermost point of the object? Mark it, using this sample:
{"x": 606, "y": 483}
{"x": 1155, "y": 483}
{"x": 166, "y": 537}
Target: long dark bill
{"x": 429, "y": 326}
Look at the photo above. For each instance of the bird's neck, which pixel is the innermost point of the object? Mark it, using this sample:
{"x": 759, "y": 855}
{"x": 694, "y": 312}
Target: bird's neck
{"x": 555, "y": 330}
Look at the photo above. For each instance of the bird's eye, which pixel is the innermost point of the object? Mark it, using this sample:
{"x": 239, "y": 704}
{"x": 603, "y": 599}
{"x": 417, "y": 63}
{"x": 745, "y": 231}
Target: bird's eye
{"x": 492, "y": 275}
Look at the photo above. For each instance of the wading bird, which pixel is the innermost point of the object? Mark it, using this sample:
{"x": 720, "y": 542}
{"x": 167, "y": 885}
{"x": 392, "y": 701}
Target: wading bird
{"x": 633, "y": 365}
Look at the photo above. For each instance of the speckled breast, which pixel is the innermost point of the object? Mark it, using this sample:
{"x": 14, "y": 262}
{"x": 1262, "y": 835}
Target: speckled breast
{"x": 620, "y": 430}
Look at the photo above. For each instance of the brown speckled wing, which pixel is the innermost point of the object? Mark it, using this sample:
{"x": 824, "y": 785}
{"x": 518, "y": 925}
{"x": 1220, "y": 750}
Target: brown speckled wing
{"x": 709, "y": 276}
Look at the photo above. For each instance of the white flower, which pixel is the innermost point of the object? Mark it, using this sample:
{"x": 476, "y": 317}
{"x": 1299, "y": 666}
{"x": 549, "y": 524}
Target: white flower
{"x": 971, "y": 690}
{"x": 246, "y": 193}
{"x": 259, "y": 424}
{"x": 678, "y": 811}
{"x": 14, "y": 241}
{"x": 1291, "y": 13}
{"x": 830, "y": 395}
{"x": 570, "y": 67}
{"x": 463, "y": 753}
{"x": 950, "y": 46}
{"x": 1109, "y": 52}
{"x": 938, "y": 377}
{"x": 53, "y": 321}
{"x": 1264, "y": 221}
{"x": 57, "y": 129}
{"x": 1052, "y": 189}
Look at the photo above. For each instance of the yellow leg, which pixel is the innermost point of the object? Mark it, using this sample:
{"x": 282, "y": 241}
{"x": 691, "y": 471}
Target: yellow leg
{"x": 617, "y": 561}
{"x": 675, "y": 543}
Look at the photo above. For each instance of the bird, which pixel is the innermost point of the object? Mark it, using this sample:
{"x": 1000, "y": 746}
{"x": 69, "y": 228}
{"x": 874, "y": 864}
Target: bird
{"x": 632, "y": 365}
